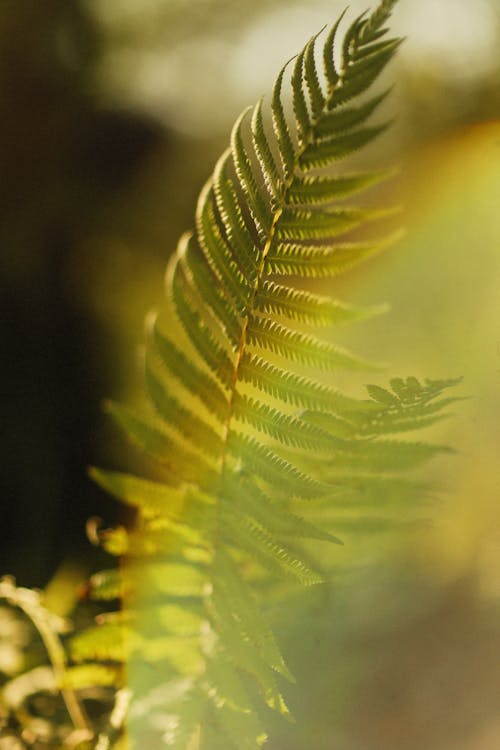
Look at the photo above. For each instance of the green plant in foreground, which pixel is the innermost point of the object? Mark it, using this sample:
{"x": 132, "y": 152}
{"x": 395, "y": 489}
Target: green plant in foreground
{"x": 247, "y": 443}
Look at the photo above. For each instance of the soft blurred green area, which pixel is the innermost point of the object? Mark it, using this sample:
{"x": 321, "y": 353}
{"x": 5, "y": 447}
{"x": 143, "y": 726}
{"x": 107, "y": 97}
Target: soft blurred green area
{"x": 113, "y": 115}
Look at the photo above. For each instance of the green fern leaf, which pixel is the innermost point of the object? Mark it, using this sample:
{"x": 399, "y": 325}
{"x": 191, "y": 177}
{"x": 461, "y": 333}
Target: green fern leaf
{"x": 311, "y": 77}
{"x": 193, "y": 378}
{"x": 185, "y": 467}
{"x": 274, "y": 516}
{"x": 264, "y": 154}
{"x": 324, "y": 151}
{"x": 314, "y": 189}
{"x": 307, "y": 307}
{"x": 230, "y": 212}
{"x": 214, "y": 299}
{"x": 241, "y": 530}
{"x": 259, "y": 209}
{"x": 281, "y": 128}
{"x": 198, "y": 331}
{"x": 173, "y": 413}
{"x": 346, "y": 118}
{"x": 231, "y": 275}
{"x": 332, "y": 74}
{"x": 300, "y": 224}
{"x": 299, "y": 347}
{"x": 246, "y": 614}
{"x": 299, "y": 99}
{"x": 290, "y": 387}
{"x": 245, "y": 655}
{"x": 271, "y": 467}
{"x": 284, "y": 428}
{"x": 291, "y": 259}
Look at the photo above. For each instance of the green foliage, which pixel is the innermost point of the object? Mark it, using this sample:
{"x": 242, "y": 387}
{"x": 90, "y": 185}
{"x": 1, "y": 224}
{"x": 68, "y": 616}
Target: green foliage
{"x": 217, "y": 528}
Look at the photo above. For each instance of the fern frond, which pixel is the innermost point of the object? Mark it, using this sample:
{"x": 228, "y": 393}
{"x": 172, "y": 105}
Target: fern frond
{"x": 230, "y": 208}
{"x": 180, "y": 463}
{"x": 311, "y": 76}
{"x": 332, "y": 74}
{"x": 346, "y": 118}
{"x": 281, "y": 128}
{"x": 191, "y": 427}
{"x": 245, "y": 655}
{"x": 199, "y": 331}
{"x": 290, "y": 387}
{"x": 230, "y": 471}
{"x": 259, "y": 208}
{"x": 192, "y": 377}
{"x": 300, "y": 224}
{"x": 217, "y": 250}
{"x": 214, "y": 299}
{"x": 299, "y": 347}
{"x": 408, "y": 406}
{"x": 306, "y": 307}
{"x": 240, "y": 530}
{"x": 314, "y": 189}
{"x": 271, "y": 467}
{"x": 264, "y": 154}
{"x": 289, "y": 259}
{"x": 331, "y": 148}
{"x": 240, "y": 601}
{"x": 284, "y": 428}
{"x": 271, "y": 515}
{"x": 300, "y": 109}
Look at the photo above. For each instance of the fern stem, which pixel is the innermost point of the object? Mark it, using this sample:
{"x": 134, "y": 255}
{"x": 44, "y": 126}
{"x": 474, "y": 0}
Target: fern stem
{"x": 243, "y": 339}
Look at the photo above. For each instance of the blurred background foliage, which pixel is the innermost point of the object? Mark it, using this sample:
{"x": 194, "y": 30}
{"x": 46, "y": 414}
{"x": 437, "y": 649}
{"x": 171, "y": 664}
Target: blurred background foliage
{"x": 113, "y": 115}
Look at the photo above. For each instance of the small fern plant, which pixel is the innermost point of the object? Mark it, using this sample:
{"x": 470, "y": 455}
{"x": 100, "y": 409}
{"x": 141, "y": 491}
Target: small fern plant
{"x": 244, "y": 438}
